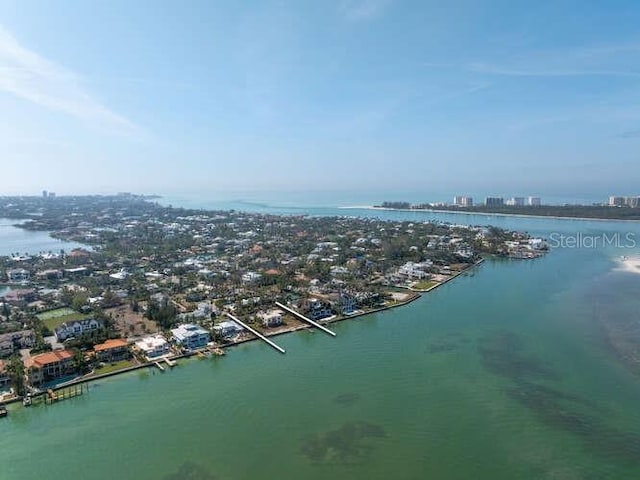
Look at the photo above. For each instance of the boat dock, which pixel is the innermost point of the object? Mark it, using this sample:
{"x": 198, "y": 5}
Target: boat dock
{"x": 255, "y": 332}
{"x": 51, "y": 396}
{"x": 160, "y": 367}
{"x": 169, "y": 362}
{"x": 308, "y": 320}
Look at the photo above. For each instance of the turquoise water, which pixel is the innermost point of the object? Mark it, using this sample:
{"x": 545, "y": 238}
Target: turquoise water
{"x": 507, "y": 372}
{"x": 17, "y": 240}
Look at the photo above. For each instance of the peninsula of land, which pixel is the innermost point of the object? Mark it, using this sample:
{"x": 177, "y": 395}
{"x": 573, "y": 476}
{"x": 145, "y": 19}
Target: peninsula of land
{"x": 157, "y": 283}
{"x": 581, "y": 212}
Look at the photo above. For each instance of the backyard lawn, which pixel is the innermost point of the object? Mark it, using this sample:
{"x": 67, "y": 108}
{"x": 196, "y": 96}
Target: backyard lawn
{"x": 426, "y": 284}
{"x": 56, "y": 317}
{"x": 112, "y": 367}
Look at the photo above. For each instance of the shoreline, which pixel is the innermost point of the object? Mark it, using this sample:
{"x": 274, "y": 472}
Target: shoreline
{"x": 413, "y": 296}
{"x": 487, "y": 214}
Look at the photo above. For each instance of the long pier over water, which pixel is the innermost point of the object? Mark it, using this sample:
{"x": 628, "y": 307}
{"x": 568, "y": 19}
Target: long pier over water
{"x": 256, "y": 333}
{"x": 308, "y": 320}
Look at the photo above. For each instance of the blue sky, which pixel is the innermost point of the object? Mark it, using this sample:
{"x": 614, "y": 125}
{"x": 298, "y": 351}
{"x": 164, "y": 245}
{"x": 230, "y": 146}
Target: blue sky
{"x": 371, "y": 95}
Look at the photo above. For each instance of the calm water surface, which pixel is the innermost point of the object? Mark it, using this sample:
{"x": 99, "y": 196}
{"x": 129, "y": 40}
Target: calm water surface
{"x": 515, "y": 370}
{"x": 18, "y": 240}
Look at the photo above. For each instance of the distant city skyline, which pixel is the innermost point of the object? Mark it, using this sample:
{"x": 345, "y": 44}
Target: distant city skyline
{"x": 357, "y": 96}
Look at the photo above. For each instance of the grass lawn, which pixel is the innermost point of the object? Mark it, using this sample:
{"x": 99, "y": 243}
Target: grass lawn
{"x": 426, "y": 284}
{"x": 58, "y": 312}
{"x": 52, "y": 321}
{"x": 112, "y": 367}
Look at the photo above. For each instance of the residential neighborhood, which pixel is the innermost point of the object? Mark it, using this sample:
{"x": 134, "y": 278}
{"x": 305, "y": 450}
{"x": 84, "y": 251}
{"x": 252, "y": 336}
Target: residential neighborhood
{"x": 154, "y": 282}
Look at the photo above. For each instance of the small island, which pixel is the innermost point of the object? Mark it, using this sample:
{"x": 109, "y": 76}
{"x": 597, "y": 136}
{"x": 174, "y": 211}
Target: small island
{"x": 155, "y": 284}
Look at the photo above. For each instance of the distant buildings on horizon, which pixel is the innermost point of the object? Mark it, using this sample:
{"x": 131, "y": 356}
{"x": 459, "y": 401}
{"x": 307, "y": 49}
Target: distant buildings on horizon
{"x": 464, "y": 201}
{"x": 615, "y": 201}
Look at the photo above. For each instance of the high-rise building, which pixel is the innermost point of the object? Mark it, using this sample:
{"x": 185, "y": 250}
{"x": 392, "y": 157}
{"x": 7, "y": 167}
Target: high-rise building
{"x": 45, "y": 194}
{"x": 516, "y": 202}
{"x": 533, "y": 201}
{"x": 494, "y": 201}
{"x": 633, "y": 202}
{"x": 616, "y": 201}
{"x": 462, "y": 201}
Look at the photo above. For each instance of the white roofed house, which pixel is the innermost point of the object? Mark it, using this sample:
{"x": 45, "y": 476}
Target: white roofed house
{"x": 537, "y": 244}
{"x": 77, "y": 328}
{"x": 153, "y": 346}
{"x": 270, "y": 319}
{"x": 191, "y": 336}
{"x": 414, "y": 270}
{"x": 227, "y": 329}
{"x": 18, "y": 275}
{"x": 121, "y": 275}
{"x": 250, "y": 277}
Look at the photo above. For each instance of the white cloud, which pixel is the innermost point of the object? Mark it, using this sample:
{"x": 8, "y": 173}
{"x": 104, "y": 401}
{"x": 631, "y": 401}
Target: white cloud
{"x": 29, "y": 76}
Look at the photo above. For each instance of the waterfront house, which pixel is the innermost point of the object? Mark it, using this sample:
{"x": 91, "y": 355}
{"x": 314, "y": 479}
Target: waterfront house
{"x": 153, "y": 346}
{"x": 191, "y": 336}
{"x": 316, "y": 309}
{"x": 14, "y": 341}
{"x": 49, "y": 366}
{"x": 537, "y": 244}
{"x": 18, "y": 275}
{"x": 227, "y": 329}
{"x": 344, "y": 303}
{"x": 416, "y": 271}
{"x": 5, "y": 379}
{"x": 76, "y": 328}
{"x": 270, "y": 319}
{"x": 112, "y": 350}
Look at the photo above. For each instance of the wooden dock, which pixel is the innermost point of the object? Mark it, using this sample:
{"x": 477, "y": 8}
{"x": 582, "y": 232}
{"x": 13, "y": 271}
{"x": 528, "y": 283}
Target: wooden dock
{"x": 169, "y": 362}
{"x": 308, "y": 320}
{"x": 160, "y": 367}
{"x": 51, "y": 396}
{"x": 256, "y": 333}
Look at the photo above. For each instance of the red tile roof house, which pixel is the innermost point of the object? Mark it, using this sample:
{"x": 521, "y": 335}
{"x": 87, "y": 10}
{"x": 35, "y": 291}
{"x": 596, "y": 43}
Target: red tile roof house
{"x": 112, "y": 350}
{"x": 49, "y": 366}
